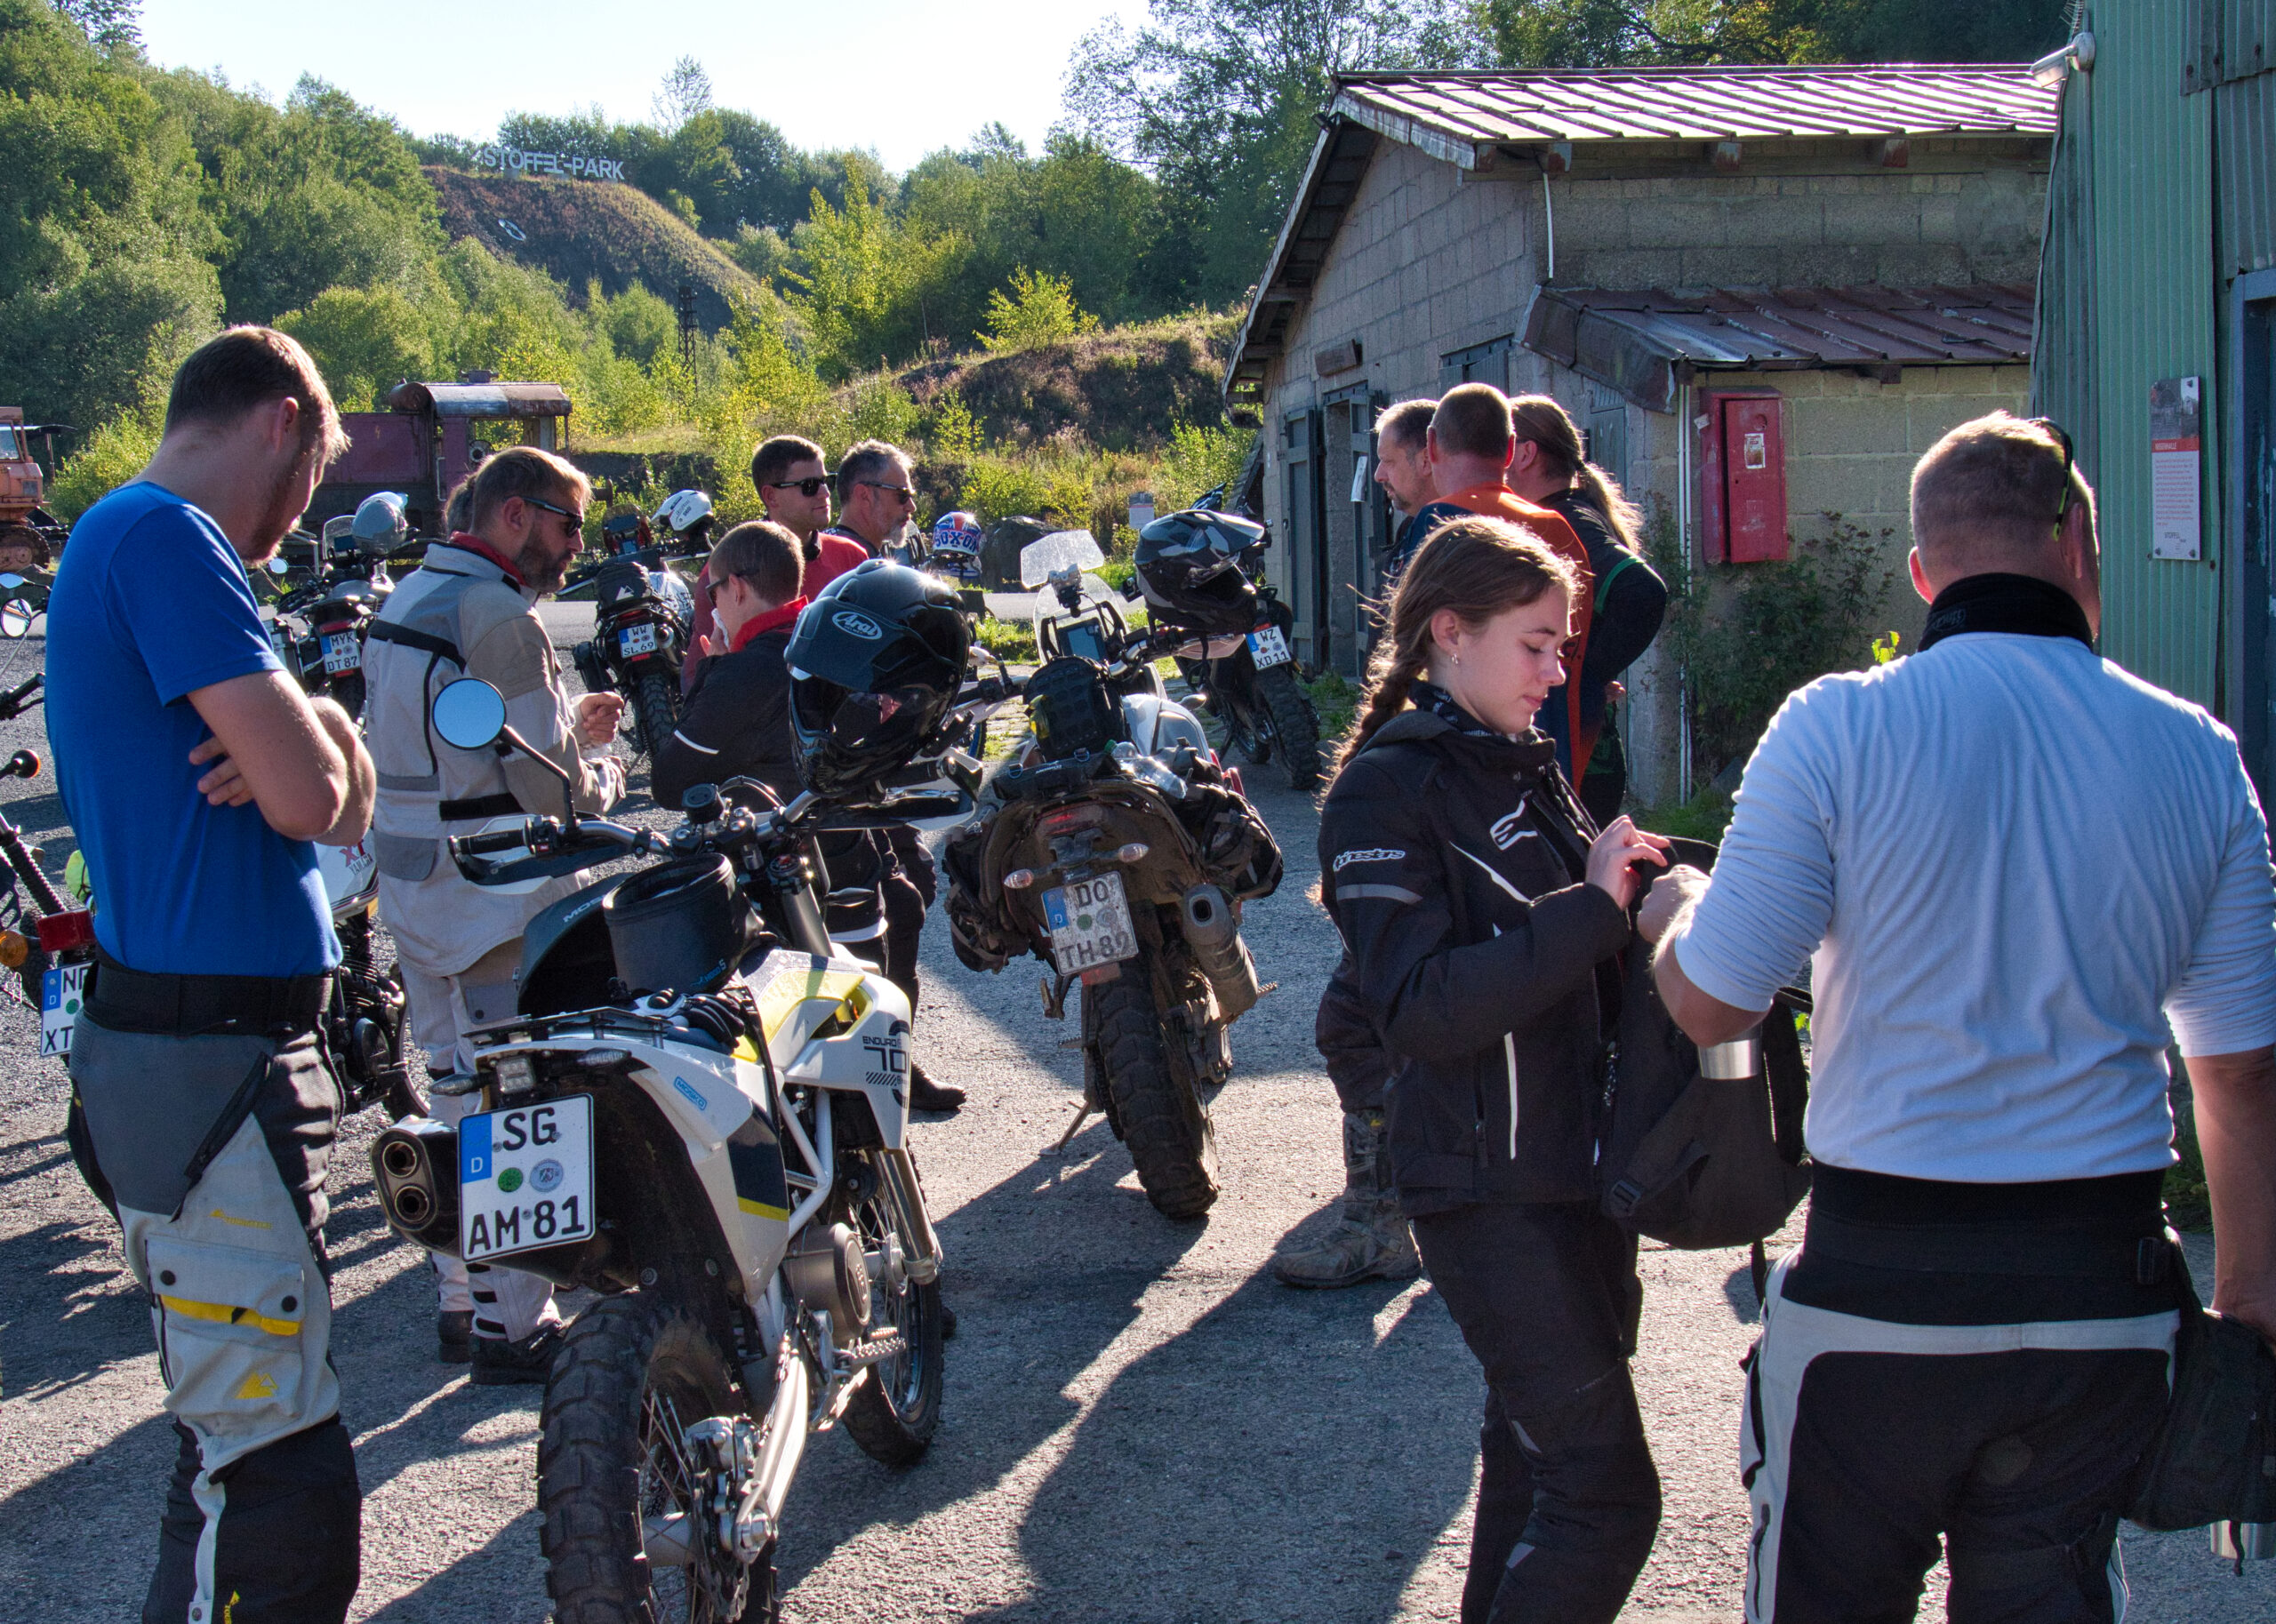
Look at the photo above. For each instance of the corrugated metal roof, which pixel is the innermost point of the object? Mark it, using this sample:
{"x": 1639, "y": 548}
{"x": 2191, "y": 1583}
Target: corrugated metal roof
{"x": 481, "y": 400}
{"x": 1633, "y": 340}
{"x": 1439, "y": 110}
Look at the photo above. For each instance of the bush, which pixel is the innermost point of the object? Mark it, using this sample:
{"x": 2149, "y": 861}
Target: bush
{"x": 1040, "y": 309}
{"x": 1201, "y": 459}
{"x": 114, "y": 454}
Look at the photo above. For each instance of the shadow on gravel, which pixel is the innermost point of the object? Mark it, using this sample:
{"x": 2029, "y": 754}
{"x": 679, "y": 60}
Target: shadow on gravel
{"x": 492, "y": 1582}
{"x": 1009, "y": 1367}
{"x": 1738, "y": 1291}
{"x": 1267, "y": 1464}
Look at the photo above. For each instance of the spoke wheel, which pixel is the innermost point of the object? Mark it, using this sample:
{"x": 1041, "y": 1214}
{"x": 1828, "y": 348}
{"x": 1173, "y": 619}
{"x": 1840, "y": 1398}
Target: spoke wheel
{"x": 894, "y": 1412}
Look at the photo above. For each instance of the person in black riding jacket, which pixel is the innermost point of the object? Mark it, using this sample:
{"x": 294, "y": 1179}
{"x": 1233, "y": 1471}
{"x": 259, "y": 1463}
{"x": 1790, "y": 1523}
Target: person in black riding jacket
{"x": 737, "y": 723}
{"x": 1482, "y": 913}
{"x": 1629, "y": 601}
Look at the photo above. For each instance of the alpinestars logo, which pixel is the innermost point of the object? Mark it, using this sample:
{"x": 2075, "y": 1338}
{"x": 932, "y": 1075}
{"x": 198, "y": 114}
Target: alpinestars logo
{"x": 1508, "y": 829}
{"x": 1366, "y": 854}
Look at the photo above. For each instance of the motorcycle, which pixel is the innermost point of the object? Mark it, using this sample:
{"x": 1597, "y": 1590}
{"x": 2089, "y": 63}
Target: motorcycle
{"x": 1238, "y": 658}
{"x": 316, "y": 627}
{"x": 364, "y": 1022}
{"x": 644, "y": 611}
{"x": 699, "y": 1110}
{"x": 43, "y": 941}
{"x": 1120, "y": 851}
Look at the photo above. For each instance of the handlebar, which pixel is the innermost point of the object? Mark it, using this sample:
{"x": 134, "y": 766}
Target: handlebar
{"x": 16, "y": 701}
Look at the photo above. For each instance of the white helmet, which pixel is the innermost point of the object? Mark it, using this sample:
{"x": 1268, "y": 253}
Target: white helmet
{"x": 380, "y": 524}
{"x": 682, "y": 511}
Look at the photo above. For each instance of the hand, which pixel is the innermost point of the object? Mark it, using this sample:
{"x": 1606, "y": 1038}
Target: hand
{"x": 1672, "y": 893}
{"x": 1613, "y": 693}
{"x": 1615, "y": 850}
{"x": 597, "y": 714}
{"x": 705, "y": 649}
{"x": 224, "y": 785}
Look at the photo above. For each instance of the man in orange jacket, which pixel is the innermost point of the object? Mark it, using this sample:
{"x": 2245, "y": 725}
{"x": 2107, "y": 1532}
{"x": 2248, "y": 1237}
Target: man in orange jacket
{"x": 1471, "y": 444}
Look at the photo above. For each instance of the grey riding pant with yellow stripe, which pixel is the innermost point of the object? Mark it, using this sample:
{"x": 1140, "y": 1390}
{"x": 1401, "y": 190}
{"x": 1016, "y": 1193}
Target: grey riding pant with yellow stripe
{"x": 213, "y": 1151}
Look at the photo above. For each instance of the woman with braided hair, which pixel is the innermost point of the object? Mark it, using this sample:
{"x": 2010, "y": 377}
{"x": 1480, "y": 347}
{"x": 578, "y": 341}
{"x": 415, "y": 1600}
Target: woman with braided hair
{"x": 1481, "y": 912}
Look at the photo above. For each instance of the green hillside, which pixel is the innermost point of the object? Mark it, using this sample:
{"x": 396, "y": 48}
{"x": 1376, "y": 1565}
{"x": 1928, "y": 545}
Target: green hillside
{"x": 581, "y": 231}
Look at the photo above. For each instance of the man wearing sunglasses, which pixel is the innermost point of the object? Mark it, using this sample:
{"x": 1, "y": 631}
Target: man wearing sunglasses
{"x": 875, "y": 495}
{"x": 795, "y": 488}
{"x": 470, "y": 610}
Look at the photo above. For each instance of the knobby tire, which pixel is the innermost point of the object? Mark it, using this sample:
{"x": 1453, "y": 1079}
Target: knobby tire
{"x": 655, "y": 705}
{"x": 1163, "y": 1120}
{"x": 1294, "y": 723}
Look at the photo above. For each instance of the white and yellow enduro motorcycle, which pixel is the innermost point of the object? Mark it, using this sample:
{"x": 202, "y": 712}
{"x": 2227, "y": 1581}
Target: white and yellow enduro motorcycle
{"x": 700, "y": 1111}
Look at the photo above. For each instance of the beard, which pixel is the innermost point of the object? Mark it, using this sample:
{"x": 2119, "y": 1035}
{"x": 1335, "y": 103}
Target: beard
{"x": 539, "y": 570}
{"x": 280, "y": 510}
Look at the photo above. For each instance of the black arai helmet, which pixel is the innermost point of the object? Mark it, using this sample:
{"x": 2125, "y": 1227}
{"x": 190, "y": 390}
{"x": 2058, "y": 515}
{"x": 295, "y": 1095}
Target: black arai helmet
{"x": 875, "y": 663}
{"x": 1189, "y": 567}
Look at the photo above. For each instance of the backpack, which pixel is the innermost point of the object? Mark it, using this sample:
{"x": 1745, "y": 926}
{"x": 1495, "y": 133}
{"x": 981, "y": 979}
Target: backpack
{"x": 1689, "y": 1161}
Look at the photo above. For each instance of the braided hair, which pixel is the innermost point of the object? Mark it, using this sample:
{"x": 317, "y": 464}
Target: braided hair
{"x": 1476, "y": 567}
{"x": 1543, "y": 422}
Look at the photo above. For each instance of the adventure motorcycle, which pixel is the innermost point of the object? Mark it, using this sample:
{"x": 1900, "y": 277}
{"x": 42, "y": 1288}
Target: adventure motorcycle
{"x": 700, "y": 1111}
{"x": 46, "y": 942}
{"x": 643, "y": 614}
{"x": 1119, "y": 853}
{"x": 1202, "y": 573}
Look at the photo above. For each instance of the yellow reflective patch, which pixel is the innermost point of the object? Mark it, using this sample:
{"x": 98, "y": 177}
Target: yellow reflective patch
{"x": 242, "y": 1223}
{"x": 256, "y": 1386}
{"x": 791, "y": 988}
{"x": 223, "y": 1314}
{"x": 759, "y": 1209}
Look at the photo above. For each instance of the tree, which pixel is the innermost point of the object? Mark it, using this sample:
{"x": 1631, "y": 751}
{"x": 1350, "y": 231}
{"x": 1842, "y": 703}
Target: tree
{"x": 1038, "y": 310}
{"x": 1606, "y": 33}
{"x": 114, "y": 25}
{"x": 686, "y": 92}
{"x": 1216, "y": 98}
{"x": 860, "y": 292}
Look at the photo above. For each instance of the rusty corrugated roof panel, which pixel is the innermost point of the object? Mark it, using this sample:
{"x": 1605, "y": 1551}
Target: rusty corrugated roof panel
{"x": 481, "y": 400}
{"x": 1633, "y": 340}
{"x": 1441, "y": 111}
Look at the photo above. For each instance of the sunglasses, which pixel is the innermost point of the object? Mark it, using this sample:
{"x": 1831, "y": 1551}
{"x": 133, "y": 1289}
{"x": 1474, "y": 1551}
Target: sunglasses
{"x": 576, "y": 520}
{"x": 908, "y": 493}
{"x": 2061, "y": 438}
{"x": 807, "y": 488}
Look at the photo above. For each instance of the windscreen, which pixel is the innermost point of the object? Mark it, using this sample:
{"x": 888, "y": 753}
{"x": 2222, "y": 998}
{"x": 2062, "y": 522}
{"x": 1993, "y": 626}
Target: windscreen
{"x": 1061, "y": 549}
{"x": 11, "y": 448}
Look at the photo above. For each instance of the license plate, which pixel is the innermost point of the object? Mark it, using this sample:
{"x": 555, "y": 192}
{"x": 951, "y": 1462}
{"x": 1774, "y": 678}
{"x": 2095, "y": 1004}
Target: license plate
{"x": 526, "y": 1178}
{"x": 1267, "y": 647}
{"x": 59, "y": 991}
{"x": 637, "y": 640}
{"x": 342, "y": 652}
{"x": 1090, "y": 923}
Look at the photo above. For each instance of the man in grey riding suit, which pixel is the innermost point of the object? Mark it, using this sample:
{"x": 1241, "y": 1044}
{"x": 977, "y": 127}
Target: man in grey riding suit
{"x": 200, "y": 780}
{"x": 470, "y": 610}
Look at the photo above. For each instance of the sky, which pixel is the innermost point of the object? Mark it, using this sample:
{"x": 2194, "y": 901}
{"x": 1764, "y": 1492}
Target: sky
{"x": 911, "y": 76}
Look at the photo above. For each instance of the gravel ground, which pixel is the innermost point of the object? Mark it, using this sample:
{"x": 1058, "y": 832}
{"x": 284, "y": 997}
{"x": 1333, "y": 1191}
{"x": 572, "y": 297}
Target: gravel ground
{"x": 1140, "y": 1424}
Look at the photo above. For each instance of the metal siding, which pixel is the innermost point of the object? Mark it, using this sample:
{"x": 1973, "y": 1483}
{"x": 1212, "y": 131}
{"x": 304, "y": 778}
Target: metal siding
{"x": 2153, "y": 252}
{"x": 2063, "y": 358}
{"x": 2244, "y": 125}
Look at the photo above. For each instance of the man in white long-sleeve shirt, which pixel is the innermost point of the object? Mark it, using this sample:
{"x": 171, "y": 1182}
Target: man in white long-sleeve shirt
{"x": 2018, "y": 871}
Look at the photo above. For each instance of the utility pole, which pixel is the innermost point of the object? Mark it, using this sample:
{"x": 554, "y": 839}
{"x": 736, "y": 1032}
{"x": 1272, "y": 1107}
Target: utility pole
{"x": 687, "y": 328}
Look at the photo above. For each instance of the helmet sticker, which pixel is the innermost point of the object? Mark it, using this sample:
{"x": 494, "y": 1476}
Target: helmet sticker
{"x": 854, "y": 623}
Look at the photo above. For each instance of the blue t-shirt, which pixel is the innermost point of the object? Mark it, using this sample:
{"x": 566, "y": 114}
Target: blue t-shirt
{"x": 151, "y": 603}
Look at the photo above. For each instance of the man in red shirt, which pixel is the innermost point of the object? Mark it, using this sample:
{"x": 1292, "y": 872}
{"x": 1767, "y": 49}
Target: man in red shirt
{"x": 1472, "y": 444}
{"x": 794, "y": 487}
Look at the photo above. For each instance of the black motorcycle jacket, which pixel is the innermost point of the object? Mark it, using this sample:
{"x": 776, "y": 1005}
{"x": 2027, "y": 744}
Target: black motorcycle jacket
{"x": 737, "y": 724}
{"x": 1451, "y": 862}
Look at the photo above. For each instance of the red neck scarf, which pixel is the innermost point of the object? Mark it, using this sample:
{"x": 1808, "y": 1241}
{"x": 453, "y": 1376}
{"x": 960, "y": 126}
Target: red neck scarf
{"x": 467, "y": 542}
{"x": 766, "y": 623}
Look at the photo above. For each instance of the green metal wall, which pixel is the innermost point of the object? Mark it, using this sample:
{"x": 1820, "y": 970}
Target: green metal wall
{"x": 2152, "y": 175}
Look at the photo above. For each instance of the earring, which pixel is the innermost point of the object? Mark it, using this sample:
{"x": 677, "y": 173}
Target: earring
{"x": 1457, "y": 659}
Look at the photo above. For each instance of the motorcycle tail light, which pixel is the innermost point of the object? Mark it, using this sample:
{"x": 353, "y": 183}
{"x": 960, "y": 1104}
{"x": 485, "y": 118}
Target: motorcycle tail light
{"x": 1071, "y": 818}
{"x": 15, "y": 947}
{"x": 62, "y": 932}
{"x": 1233, "y": 783}
{"x": 516, "y": 1074}
{"x": 1019, "y": 879}
{"x": 1134, "y": 853}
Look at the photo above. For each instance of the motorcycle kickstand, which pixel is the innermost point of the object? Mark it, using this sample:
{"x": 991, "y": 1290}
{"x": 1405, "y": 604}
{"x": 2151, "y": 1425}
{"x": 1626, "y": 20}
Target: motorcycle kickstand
{"x": 1082, "y": 1115}
{"x": 1055, "y": 997}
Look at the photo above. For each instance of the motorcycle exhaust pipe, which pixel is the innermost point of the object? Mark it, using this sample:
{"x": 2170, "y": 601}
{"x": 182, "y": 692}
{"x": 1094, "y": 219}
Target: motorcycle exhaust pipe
{"x": 415, "y": 1164}
{"x": 1214, "y": 935}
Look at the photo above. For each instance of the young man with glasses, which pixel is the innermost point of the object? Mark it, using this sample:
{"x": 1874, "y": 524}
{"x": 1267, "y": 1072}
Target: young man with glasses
{"x": 795, "y": 489}
{"x": 470, "y": 610}
{"x": 2020, "y": 872}
{"x": 737, "y": 723}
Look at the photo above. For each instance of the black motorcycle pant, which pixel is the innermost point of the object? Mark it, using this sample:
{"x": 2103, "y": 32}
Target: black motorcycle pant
{"x": 213, "y": 1151}
{"x": 1897, "y": 1411}
{"x": 1547, "y": 1298}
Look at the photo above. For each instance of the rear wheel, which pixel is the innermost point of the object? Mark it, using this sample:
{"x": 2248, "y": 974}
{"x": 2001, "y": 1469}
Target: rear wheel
{"x": 655, "y": 707}
{"x": 626, "y": 1537}
{"x": 895, "y": 1411}
{"x": 1162, "y": 1118}
{"x": 1295, "y": 724}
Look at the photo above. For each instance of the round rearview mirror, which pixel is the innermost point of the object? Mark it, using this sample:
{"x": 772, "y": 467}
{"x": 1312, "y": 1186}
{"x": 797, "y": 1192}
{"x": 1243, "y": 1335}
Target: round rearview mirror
{"x": 470, "y": 714}
{"x": 277, "y": 566}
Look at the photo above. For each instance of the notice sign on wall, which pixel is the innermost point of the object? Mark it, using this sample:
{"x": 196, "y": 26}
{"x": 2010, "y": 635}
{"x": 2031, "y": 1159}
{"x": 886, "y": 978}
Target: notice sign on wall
{"x": 2176, "y": 468}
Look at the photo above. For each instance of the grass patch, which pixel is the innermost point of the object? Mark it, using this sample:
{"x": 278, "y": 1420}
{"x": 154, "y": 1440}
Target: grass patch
{"x": 1703, "y": 817}
{"x": 1336, "y": 701}
{"x": 1010, "y": 641}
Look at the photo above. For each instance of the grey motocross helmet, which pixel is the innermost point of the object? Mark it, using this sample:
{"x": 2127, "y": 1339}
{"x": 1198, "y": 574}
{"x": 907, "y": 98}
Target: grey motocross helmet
{"x": 1189, "y": 568}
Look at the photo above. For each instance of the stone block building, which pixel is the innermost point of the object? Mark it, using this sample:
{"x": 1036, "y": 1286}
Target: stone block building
{"x": 1763, "y": 292}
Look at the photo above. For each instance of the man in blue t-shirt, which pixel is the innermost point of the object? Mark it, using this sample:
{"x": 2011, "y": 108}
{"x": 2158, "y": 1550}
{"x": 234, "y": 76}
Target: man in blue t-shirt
{"x": 197, "y": 776}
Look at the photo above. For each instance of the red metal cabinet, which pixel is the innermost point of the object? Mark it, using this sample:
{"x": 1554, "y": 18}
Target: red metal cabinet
{"x": 1743, "y": 470}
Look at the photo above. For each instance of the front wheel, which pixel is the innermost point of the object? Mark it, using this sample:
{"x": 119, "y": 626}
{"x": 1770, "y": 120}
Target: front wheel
{"x": 1295, "y": 724}
{"x": 655, "y": 709}
{"x": 895, "y": 1411}
{"x": 625, "y": 1534}
{"x": 1161, "y": 1117}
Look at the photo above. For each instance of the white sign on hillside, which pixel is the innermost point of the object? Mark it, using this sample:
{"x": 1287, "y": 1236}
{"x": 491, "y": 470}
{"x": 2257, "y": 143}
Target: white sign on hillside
{"x": 513, "y": 160}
